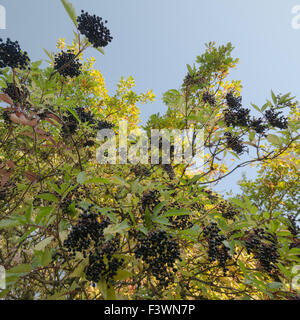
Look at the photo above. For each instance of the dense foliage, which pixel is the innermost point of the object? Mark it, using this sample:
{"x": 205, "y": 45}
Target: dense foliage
{"x": 72, "y": 228}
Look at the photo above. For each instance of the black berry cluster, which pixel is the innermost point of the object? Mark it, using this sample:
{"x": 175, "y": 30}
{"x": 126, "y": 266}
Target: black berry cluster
{"x": 140, "y": 171}
{"x": 263, "y": 246}
{"x": 6, "y": 117}
{"x": 12, "y": 56}
{"x": 93, "y": 27}
{"x": 67, "y": 64}
{"x": 217, "y": 251}
{"x": 258, "y": 125}
{"x": 2, "y": 194}
{"x": 16, "y": 94}
{"x": 69, "y": 126}
{"x": 227, "y": 210}
{"x": 234, "y": 143}
{"x": 102, "y": 263}
{"x": 233, "y": 102}
{"x": 86, "y": 233}
{"x": 293, "y": 226}
{"x": 169, "y": 170}
{"x": 181, "y": 222}
{"x": 208, "y": 98}
{"x": 65, "y": 205}
{"x": 276, "y": 120}
{"x": 150, "y": 199}
{"x": 193, "y": 80}
{"x": 159, "y": 251}
{"x": 103, "y": 124}
{"x": 236, "y": 118}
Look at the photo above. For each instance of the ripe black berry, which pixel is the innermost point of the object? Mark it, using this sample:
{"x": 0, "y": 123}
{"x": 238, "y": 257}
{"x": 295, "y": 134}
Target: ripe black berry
{"x": 94, "y": 29}
{"x": 234, "y": 143}
{"x": 150, "y": 199}
{"x": 12, "y": 56}
{"x": 208, "y": 98}
{"x": 140, "y": 171}
{"x": 159, "y": 252}
{"x": 233, "y": 102}
{"x": 263, "y": 245}
{"x": 217, "y": 251}
{"x": 67, "y": 64}
{"x": 258, "y": 125}
{"x": 16, "y": 94}
{"x": 275, "y": 120}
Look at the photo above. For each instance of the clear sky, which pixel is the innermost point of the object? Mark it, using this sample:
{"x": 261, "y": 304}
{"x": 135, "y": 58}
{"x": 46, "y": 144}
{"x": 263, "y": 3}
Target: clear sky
{"x": 155, "y": 39}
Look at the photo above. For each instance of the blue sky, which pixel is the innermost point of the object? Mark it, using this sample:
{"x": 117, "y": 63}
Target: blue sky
{"x": 155, "y": 39}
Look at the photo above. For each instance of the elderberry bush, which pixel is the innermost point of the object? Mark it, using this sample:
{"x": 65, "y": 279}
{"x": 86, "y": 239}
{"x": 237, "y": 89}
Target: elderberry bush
{"x": 67, "y": 65}
{"x": 263, "y": 245}
{"x": 217, "y": 251}
{"x": 93, "y": 27}
{"x": 12, "y": 56}
{"x": 159, "y": 251}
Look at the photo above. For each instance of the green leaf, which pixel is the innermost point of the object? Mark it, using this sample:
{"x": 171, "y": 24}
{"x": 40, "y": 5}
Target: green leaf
{"x": 274, "y": 285}
{"x": 158, "y": 208}
{"x": 273, "y": 97}
{"x": 41, "y": 245}
{"x": 162, "y": 220}
{"x": 48, "y": 197}
{"x": 46, "y": 257}
{"x": 255, "y": 107}
{"x": 272, "y": 138}
{"x": 79, "y": 270}
{"x": 28, "y": 213}
{"x": 116, "y": 228}
{"x": 101, "y": 50}
{"x": 70, "y": 10}
{"x": 97, "y": 180}
{"x": 73, "y": 113}
{"x": 81, "y": 178}
{"x": 123, "y": 275}
{"x": 9, "y": 223}
{"x": 19, "y": 270}
{"x": 176, "y": 212}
